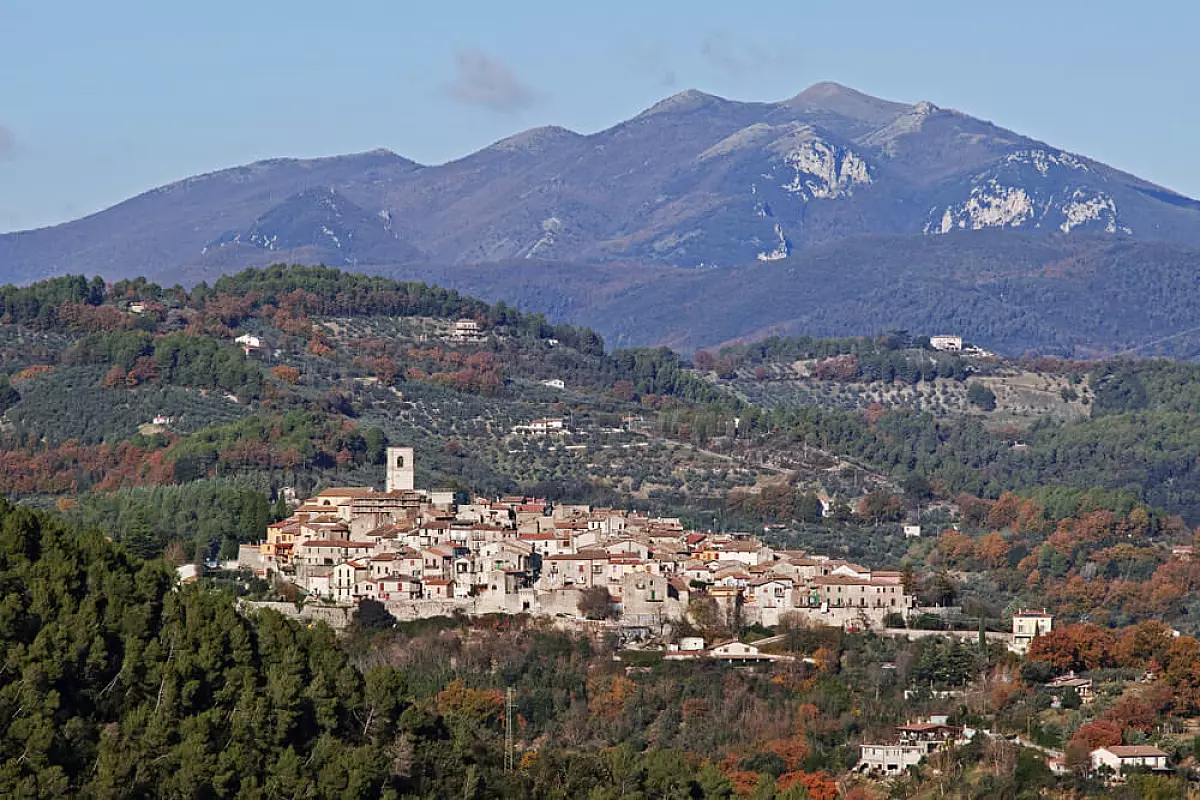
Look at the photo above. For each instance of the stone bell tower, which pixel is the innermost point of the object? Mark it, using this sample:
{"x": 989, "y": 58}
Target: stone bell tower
{"x": 401, "y": 472}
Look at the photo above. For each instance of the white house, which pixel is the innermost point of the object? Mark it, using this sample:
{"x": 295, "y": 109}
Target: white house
{"x": 912, "y": 531}
{"x": 949, "y": 344}
{"x": 346, "y": 577}
{"x": 916, "y": 741}
{"x": 249, "y": 343}
{"x": 1120, "y": 758}
{"x": 541, "y": 427}
{"x": 889, "y": 759}
{"x": 467, "y": 330}
{"x": 736, "y": 652}
{"x": 555, "y": 383}
{"x": 319, "y": 582}
{"x": 1028, "y": 625}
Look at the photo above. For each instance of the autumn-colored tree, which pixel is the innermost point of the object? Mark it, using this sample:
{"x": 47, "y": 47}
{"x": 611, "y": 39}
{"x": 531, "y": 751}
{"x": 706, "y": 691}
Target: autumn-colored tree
{"x": 1142, "y": 643}
{"x": 114, "y": 378}
{"x": 1132, "y": 713}
{"x": 974, "y": 510}
{"x": 476, "y": 706}
{"x": 1101, "y": 733}
{"x": 818, "y": 784}
{"x": 955, "y": 548}
{"x": 286, "y": 374}
{"x": 1004, "y": 512}
{"x": 1031, "y": 519}
{"x": 609, "y": 697}
{"x": 992, "y": 549}
{"x": 793, "y": 750}
{"x": 1078, "y": 647}
{"x": 32, "y": 372}
{"x": 145, "y": 370}
{"x": 1182, "y": 673}
{"x": 839, "y": 368}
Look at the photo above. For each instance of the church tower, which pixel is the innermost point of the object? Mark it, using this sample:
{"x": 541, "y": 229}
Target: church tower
{"x": 401, "y": 472}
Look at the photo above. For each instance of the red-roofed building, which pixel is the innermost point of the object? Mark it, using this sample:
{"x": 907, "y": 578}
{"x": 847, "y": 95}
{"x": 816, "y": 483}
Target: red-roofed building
{"x": 438, "y": 588}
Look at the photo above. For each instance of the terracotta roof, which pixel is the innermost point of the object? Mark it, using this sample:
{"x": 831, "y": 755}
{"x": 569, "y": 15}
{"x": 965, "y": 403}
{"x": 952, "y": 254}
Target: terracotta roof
{"x": 738, "y": 547}
{"x": 1134, "y": 751}
{"x": 586, "y": 555}
{"x": 841, "y": 580}
{"x": 763, "y": 581}
{"x": 348, "y": 491}
{"x": 849, "y": 564}
{"x": 343, "y": 543}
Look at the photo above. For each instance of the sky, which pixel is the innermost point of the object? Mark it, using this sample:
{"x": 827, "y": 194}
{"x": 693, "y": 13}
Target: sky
{"x": 100, "y": 101}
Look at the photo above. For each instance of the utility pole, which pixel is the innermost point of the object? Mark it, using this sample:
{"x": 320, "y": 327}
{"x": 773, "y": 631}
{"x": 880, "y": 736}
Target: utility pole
{"x": 508, "y": 729}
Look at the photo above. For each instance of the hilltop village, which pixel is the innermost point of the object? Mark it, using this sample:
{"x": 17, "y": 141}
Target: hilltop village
{"x": 423, "y": 554}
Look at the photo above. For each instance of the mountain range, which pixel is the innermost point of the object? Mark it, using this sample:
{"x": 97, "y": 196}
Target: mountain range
{"x": 700, "y": 202}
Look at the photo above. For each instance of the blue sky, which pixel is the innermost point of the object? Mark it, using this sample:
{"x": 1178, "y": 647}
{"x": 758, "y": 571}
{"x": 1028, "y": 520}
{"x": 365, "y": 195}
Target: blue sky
{"x": 102, "y": 100}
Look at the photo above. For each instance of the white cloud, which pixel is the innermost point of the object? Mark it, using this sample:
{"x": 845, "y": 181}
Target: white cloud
{"x": 485, "y": 81}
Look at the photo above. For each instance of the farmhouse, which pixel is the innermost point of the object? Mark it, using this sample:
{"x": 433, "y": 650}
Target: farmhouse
{"x": 1120, "y": 759}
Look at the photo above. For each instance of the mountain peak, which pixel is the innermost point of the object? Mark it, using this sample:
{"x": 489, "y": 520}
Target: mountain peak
{"x": 842, "y": 100}
{"x": 825, "y": 89}
{"x": 687, "y": 100}
{"x": 536, "y": 140}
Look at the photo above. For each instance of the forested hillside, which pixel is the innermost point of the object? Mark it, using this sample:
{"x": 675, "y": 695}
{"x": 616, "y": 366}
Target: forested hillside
{"x": 117, "y": 682}
{"x": 131, "y": 406}
{"x": 163, "y": 415}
